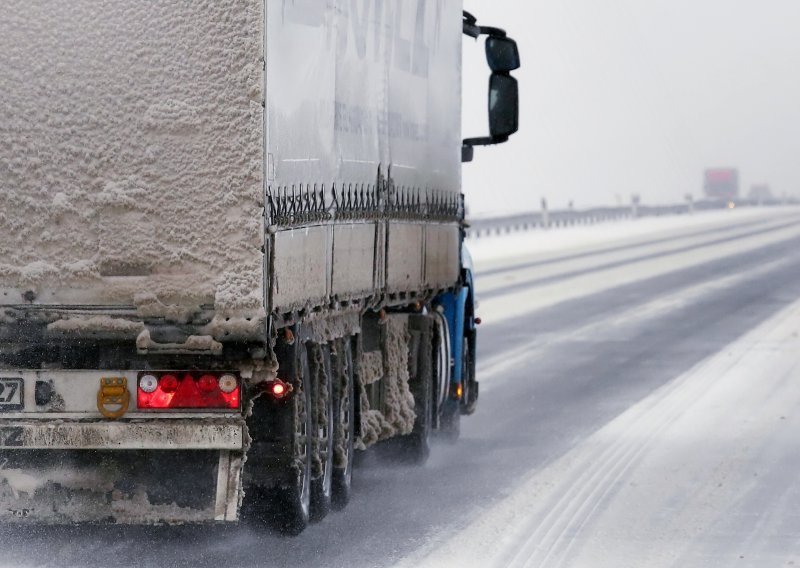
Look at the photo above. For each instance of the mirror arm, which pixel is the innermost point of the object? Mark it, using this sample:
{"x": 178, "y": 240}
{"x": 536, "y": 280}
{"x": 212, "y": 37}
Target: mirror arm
{"x": 485, "y": 140}
{"x": 471, "y": 28}
{"x": 468, "y": 145}
{"x": 492, "y": 31}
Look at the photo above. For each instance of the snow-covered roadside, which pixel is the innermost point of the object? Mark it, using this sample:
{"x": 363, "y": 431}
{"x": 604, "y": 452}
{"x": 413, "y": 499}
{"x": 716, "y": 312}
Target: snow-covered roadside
{"x": 487, "y": 252}
{"x": 702, "y": 472}
{"x": 537, "y": 269}
{"x": 526, "y": 299}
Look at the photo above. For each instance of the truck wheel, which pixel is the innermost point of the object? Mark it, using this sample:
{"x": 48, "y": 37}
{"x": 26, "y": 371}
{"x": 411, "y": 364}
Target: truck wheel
{"x": 448, "y": 410}
{"x": 414, "y": 448}
{"x": 290, "y": 503}
{"x": 450, "y": 421}
{"x": 417, "y": 444}
{"x": 469, "y": 398}
{"x": 322, "y": 431}
{"x": 441, "y": 360}
{"x": 344, "y": 434}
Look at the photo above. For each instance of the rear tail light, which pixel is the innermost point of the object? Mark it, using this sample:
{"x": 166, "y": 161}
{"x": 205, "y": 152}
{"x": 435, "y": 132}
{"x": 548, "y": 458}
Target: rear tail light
{"x": 188, "y": 391}
{"x": 207, "y": 383}
{"x": 168, "y": 383}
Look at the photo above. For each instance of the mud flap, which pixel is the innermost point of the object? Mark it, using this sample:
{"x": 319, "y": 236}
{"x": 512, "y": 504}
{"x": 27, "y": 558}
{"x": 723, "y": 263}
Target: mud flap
{"x": 126, "y": 487}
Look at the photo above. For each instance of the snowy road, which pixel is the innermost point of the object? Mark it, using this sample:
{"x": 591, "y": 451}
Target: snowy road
{"x": 640, "y": 407}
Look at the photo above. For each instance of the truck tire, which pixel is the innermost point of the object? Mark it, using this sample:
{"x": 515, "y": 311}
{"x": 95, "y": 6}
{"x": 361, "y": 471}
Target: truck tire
{"x": 448, "y": 411}
{"x": 322, "y": 431}
{"x": 282, "y": 503}
{"x": 469, "y": 399}
{"x": 450, "y": 421}
{"x": 414, "y": 448}
{"x": 417, "y": 444}
{"x": 441, "y": 360}
{"x": 344, "y": 423}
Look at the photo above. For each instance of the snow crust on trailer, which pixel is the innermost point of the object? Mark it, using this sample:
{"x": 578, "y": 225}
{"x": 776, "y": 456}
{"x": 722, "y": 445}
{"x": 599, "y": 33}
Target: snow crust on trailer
{"x": 397, "y": 415}
{"x": 131, "y": 154}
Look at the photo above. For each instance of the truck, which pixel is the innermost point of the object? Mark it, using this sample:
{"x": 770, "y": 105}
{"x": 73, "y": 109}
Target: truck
{"x": 721, "y": 184}
{"x": 231, "y": 252}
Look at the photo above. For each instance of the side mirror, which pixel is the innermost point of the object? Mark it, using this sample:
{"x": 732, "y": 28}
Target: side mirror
{"x": 502, "y": 54}
{"x": 503, "y": 106}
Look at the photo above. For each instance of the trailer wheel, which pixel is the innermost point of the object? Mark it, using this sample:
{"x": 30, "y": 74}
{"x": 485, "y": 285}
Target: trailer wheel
{"x": 414, "y": 448}
{"x": 344, "y": 434}
{"x": 417, "y": 444}
{"x": 322, "y": 431}
{"x": 287, "y": 507}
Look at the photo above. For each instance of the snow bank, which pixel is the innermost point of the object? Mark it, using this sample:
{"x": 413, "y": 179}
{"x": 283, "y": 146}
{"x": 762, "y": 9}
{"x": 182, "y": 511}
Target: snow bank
{"x": 131, "y": 144}
{"x": 486, "y": 250}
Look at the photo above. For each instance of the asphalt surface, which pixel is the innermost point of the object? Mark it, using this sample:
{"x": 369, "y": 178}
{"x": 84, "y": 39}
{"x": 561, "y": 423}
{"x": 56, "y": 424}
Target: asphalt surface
{"x": 550, "y": 379}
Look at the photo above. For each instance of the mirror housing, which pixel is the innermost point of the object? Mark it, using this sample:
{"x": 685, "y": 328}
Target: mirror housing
{"x": 502, "y": 55}
{"x": 503, "y": 106}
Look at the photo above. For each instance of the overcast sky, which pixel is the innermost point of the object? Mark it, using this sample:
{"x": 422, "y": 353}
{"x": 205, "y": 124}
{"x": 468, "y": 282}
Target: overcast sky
{"x": 638, "y": 96}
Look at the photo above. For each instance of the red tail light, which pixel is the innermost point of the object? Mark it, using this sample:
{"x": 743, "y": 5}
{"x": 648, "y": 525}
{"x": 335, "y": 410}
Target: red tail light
{"x": 168, "y": 383}
{"x": 207, "y": 383}
{"x": 188, "y": 390}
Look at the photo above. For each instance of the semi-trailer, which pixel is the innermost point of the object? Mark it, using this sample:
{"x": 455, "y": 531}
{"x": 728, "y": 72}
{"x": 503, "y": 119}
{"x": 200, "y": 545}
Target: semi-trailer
{"x": 231, "y": 251}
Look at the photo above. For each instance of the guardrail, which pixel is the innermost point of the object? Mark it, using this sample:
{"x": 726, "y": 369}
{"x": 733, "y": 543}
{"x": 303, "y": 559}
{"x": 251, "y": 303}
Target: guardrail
{"x": 482, "y": 227}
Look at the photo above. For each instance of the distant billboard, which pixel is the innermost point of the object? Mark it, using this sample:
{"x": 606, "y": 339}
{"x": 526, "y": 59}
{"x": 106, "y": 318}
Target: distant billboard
{"x": 721, "y": 183}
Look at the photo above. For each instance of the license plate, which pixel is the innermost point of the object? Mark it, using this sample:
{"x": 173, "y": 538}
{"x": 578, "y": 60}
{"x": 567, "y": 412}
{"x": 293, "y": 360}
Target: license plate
{"x": 10, "y": 394}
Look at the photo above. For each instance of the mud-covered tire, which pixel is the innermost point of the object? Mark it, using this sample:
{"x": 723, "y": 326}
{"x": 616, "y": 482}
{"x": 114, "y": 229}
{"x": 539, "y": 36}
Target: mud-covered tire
{"x": 414, "y": 448}
{"x": 286, "y": 507}
{"x": 344, "y": 423}
{"x": 322, "y": 431}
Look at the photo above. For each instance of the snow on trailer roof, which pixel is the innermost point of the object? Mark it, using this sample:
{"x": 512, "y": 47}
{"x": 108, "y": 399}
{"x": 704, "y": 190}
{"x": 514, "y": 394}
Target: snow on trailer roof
{"x": 131, "y": 144}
